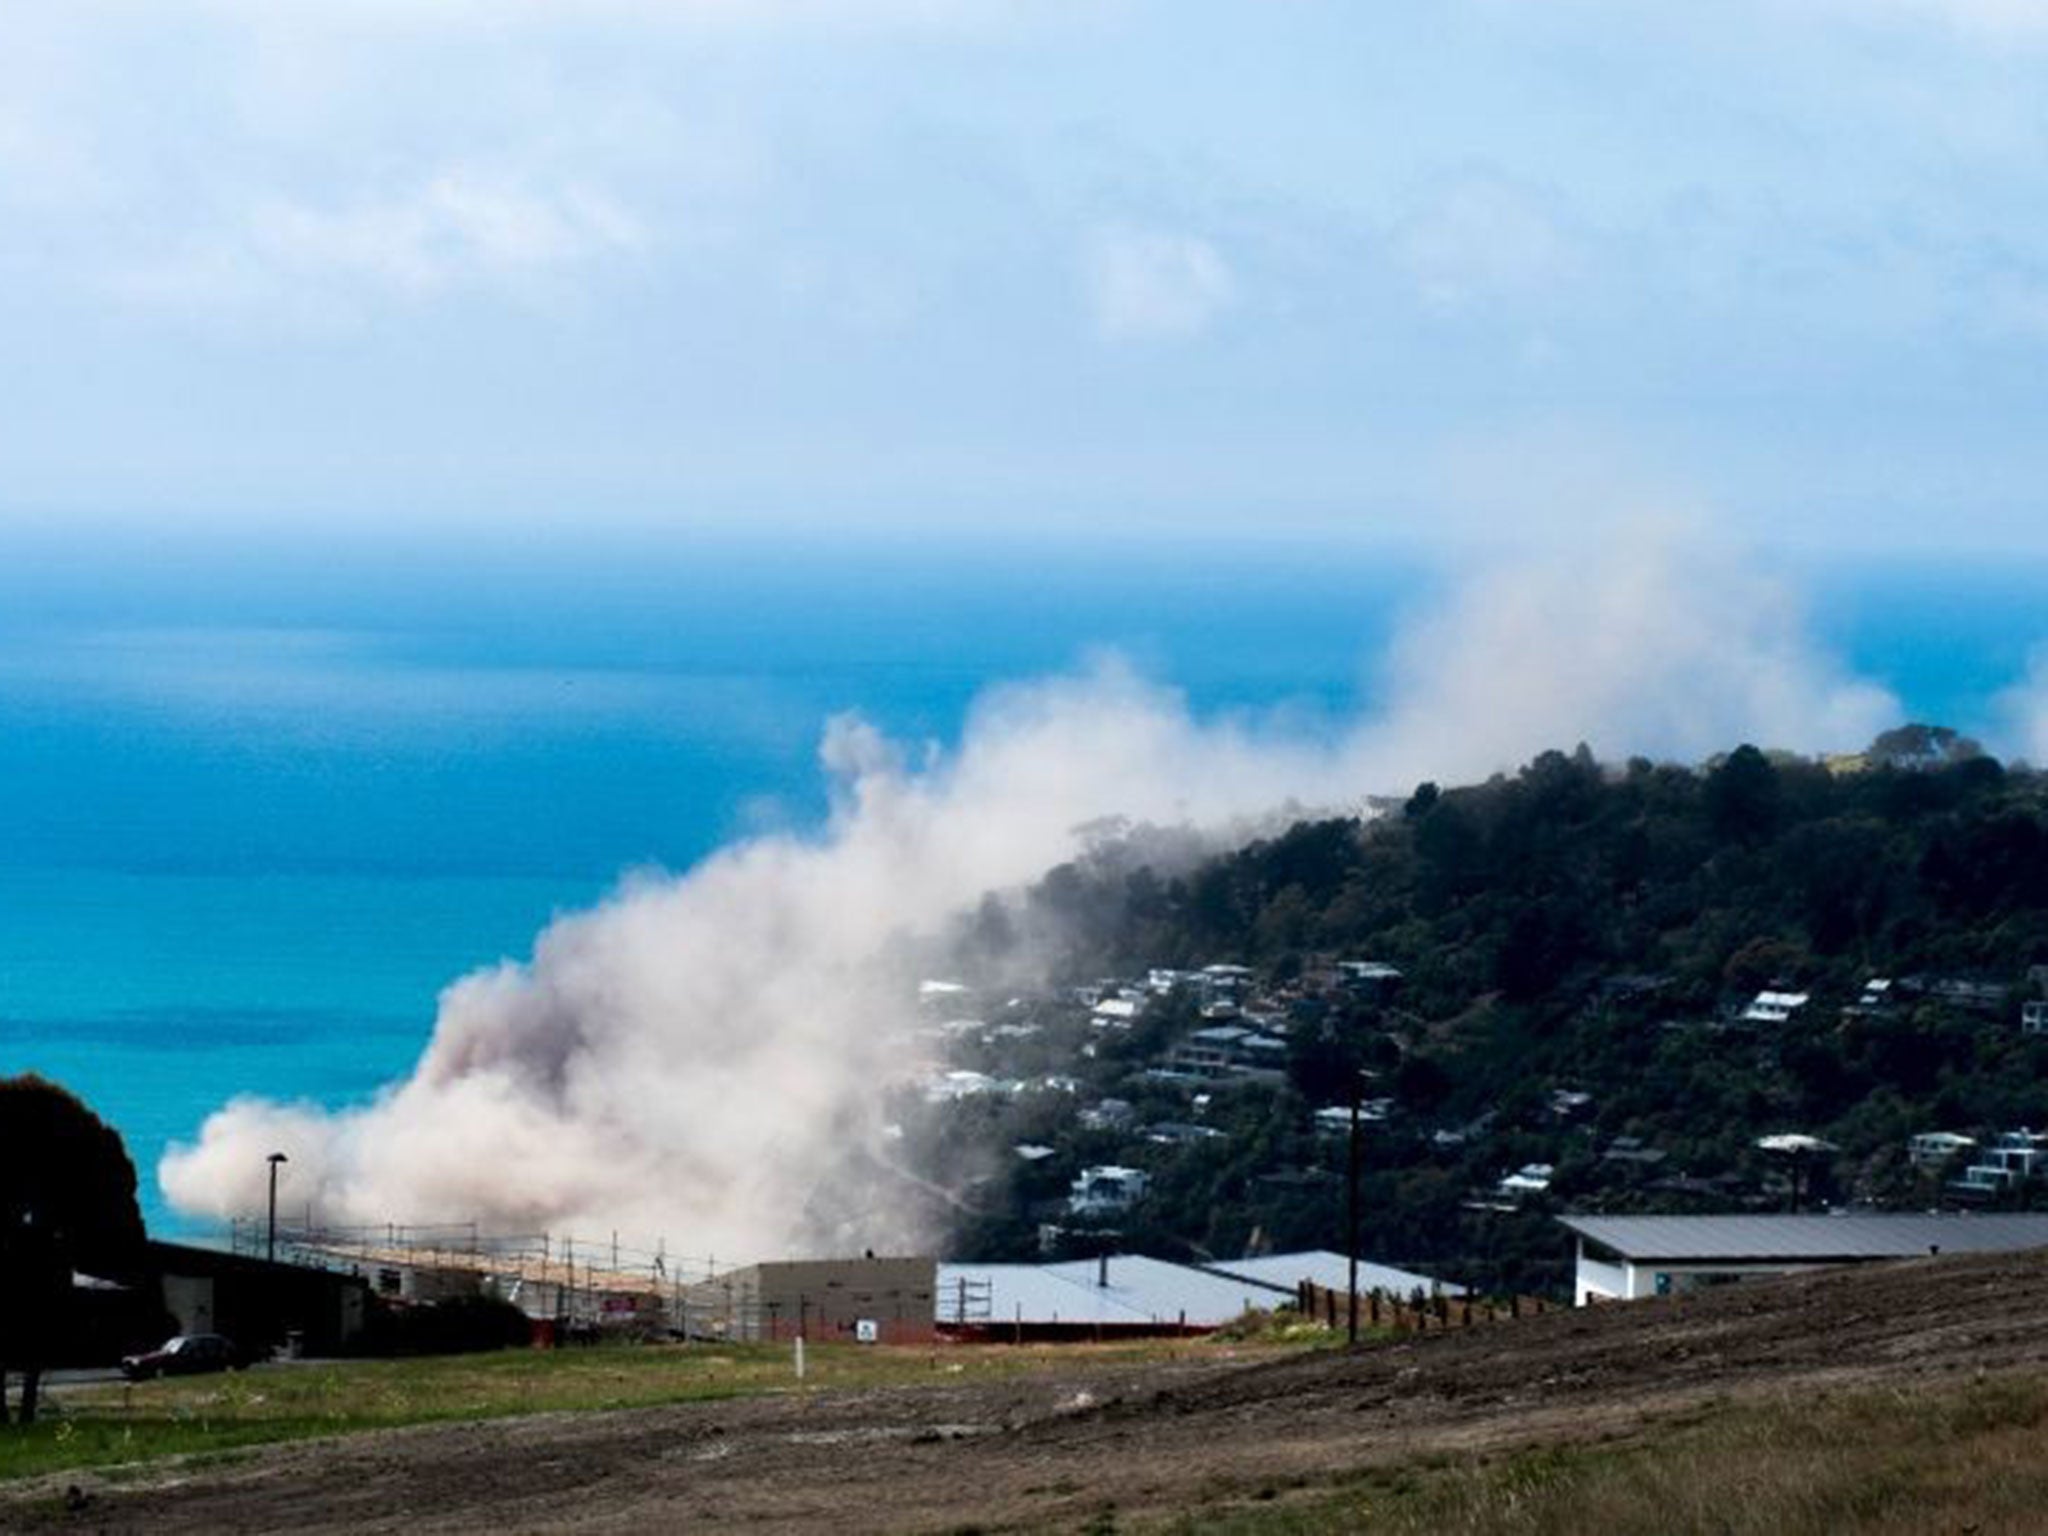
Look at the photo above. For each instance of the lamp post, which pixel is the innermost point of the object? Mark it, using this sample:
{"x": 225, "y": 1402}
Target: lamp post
{"x": 270, "y": 1245}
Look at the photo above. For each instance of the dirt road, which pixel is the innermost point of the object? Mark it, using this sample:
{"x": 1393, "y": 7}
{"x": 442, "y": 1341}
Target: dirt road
{"x": 1050, "y": 1453}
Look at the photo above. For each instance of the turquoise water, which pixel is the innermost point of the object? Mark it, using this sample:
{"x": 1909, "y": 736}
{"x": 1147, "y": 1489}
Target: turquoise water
{"x": 157, "y": 996}
{"x": 258, "y": 807}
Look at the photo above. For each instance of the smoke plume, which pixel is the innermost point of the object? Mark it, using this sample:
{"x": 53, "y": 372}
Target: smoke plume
{"x": 703, "y": 1056}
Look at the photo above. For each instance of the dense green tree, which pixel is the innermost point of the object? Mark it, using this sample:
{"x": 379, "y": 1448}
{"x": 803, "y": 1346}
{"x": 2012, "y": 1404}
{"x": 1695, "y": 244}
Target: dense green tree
{"x": 1742, "y": 796}
{"x": 67, "y": 1205}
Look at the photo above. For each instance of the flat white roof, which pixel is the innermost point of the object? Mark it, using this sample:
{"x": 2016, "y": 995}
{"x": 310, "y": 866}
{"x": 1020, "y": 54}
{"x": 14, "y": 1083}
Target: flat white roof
{"x": 1140, "y": 1291}
{"x": 1846, "y": 1236}
{"x": 1331, "y": 1271}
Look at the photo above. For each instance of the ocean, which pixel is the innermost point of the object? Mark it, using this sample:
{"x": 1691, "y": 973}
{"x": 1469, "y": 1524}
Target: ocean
{"x": 257, "y": 807}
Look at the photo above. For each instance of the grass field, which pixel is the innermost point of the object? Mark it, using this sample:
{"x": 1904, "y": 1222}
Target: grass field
{"x": 1962, "y": 1458}
{"x": 101, "y": 1426}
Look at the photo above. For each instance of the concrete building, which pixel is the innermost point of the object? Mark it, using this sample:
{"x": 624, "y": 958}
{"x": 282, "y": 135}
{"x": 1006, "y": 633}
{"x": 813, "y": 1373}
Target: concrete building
{"x": 865, "y": 1300}
{"x": 1622, "y": 1258}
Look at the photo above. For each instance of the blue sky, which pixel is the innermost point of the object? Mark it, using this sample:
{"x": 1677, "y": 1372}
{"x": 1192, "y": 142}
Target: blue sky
{"x": 1468, "y": 271}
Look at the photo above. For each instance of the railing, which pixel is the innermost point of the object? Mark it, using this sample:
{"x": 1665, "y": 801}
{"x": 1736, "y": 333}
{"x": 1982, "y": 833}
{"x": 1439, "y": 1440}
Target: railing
{"x": 548, "y": 1256}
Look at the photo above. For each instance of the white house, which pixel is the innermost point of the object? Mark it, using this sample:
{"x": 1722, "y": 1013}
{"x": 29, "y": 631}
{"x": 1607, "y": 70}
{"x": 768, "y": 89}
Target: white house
{"x": 1930, "y": 1151}
{"x": 951, "y": 1087}
{"x": 1106, "y": 1189}
{"x": 1774, "y": 1007}
{"x": 1116, "y": 1013}
{"x": 1529, "y": 1179}
{"x": 2013, "y": 1158}
{"x": 1334, "y": 1122}
{"x": 1623, "y": 1258}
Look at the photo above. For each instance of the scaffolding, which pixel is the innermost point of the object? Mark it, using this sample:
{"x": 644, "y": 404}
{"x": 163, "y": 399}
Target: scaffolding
{"x": 578, "y": 1282}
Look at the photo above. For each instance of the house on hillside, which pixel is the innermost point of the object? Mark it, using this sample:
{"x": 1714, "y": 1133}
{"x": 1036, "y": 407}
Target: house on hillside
{"x": 1210, "y": 1050}
{"x": 2014, "y": 1157}
{"x": 1986, "y": 997}
{"x": 1877, "y": 1000}
{"x": 1932, "y": 1151}
{"x": 1370, "y": 981}
{"x": 1107, "y": 1115}
{"x": 1632, "y": 1156}
{"x": 1769, "y": 1007}
{"x": 1529, "y": 1179}
{"x": 1228, "y": 1050}
{"x": 1334, "y": 1122}
{"x": 1566, "y": 1103}
{"x": 1222, "y": 988}
{"x": 1106, "y": 1190}
{"x": 1623, "y": 1258}
{"x": 1116, "y": 1012}
{"x": 1179, "y": 1133}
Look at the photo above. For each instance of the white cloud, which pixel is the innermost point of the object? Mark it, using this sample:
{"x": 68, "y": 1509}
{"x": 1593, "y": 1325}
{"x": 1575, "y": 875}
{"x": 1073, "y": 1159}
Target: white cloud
{"x": 416, "y": 18}
{"x": 457, "y": 230}
{"x": 1481, "y": 238}
{"x": 1994, "y": 20}
{"x": 2014, "y": 304}
{"x": 1149, "y": 285}
{"x": 2021, "y": 713}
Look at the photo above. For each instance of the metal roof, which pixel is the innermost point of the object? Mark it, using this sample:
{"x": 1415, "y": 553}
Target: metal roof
{"x": 1140, "y": 1291}
{"x": 1851, "y": 1235}
{"x": 1331, "y": 1271}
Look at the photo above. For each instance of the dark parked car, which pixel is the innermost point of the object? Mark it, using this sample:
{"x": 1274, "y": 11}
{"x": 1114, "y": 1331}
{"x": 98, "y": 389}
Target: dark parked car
{"x": 189, "y": 1354}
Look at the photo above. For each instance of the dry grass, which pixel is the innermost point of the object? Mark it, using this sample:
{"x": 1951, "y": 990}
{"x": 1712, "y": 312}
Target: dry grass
{"x": 1881, "y": 1463}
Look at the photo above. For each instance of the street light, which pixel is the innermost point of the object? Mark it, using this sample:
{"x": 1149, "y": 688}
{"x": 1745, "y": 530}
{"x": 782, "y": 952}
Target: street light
{"x": 270, "y": 1246}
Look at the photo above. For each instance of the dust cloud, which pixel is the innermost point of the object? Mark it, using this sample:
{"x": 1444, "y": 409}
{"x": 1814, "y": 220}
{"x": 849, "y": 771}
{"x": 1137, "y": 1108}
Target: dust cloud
{"x": 705, "y": 1056}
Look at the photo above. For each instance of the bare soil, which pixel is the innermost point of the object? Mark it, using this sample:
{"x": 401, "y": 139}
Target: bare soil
{"x": 1052, "y": 1452}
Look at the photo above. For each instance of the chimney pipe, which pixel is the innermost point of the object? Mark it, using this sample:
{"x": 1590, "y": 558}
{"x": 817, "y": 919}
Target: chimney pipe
{"x": 1102, "y": 1270}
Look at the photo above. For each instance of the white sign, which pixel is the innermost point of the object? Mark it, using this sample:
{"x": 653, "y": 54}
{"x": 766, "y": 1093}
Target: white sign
{"x": 867, "y": 1331}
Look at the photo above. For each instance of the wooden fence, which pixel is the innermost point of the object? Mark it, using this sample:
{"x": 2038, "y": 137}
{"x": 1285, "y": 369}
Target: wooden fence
{"x": 1414, "y": 1313}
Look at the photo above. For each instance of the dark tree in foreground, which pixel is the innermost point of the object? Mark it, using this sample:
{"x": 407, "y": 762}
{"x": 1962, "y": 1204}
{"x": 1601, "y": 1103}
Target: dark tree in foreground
{"x": 67, "y": 1205}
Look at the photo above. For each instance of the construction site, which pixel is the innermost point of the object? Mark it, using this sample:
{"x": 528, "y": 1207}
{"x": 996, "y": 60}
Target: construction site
{"x": 581, "y": 1289}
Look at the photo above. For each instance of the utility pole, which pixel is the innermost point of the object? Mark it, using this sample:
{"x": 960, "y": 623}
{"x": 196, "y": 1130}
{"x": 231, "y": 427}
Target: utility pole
{"x": 1351, "y": 1217}
{"x": 270, "y": 1244}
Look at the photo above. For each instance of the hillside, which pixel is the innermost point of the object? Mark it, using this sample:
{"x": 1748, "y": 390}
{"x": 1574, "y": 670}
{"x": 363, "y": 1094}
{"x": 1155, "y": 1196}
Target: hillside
{"x": 1581, "y": 985}
{"x": 1902, "y": 1397}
